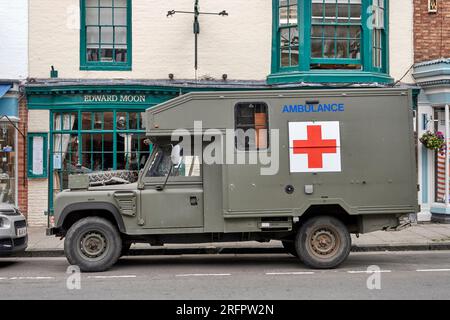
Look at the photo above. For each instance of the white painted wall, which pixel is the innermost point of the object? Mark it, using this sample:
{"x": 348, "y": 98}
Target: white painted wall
{"x": 14, "y": 39}
{"x": 38, "y": 121}
{"x": 401, "y": 39}
{"x": 239, "y": 45}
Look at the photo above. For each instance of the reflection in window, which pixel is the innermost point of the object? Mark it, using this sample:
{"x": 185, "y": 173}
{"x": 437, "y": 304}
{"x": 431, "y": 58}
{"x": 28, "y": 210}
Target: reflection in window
{"x": 336, "y": 34}
{"x": 288, "y": 30}
{"x": 161, "y": 162}
{"x": 251, "y": 124}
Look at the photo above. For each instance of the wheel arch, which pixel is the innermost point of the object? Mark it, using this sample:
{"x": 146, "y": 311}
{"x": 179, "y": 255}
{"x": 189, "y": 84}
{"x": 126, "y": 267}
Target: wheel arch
{"x": 352, "y": 222}
{"x": 76, "y": 211}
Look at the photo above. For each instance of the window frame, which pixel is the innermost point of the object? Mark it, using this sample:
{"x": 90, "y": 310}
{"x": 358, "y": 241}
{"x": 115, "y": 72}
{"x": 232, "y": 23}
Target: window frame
{"x": 30, "y": 145}
{"x": 104, "y": 65}
{"x": 236, "y": 145}
{"x": 304, "y": 70}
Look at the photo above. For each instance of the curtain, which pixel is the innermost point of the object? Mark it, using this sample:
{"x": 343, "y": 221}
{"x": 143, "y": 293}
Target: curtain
{"x": 61, "y": 143}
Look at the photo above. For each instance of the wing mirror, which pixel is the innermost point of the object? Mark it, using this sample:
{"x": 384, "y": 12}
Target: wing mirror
{"x": 175, "y": 155}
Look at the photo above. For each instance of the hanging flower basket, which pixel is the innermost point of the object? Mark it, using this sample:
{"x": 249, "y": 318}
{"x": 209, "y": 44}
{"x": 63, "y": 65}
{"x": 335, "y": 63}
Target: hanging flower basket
{"x": 433, "y": 141}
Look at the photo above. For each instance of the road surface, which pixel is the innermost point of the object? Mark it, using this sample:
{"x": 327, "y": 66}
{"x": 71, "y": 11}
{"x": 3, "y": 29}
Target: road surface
{"x": 396, "y": 275}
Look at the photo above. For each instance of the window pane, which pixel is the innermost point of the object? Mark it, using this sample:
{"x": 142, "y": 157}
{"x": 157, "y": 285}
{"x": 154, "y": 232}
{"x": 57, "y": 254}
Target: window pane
{"x": 316, "y": 31}
{"x": 92, "y": 3}
{"x": 329, "y": 51}
{"x": 108, "y": 121}
{"x": 87, "y": 121}
{"x": 107, "y": 55}
{"x": 120, "y": 35}
{"x": 316, "y": 48}
{"x": 355, "y": 49}
{"x": 120, "y": 54}
{"x": 106, "y": 16}
{"x": 106, "y": 3}
{"x": 106, "y": 35}
{"x": 120, "y": 3}
{"x": 92, "y": 35}
{"x": 92, "y": 54}
{"x": 91, "y": 16}
{"x": 342, "y": 49}
{"x": 120, "y": 16}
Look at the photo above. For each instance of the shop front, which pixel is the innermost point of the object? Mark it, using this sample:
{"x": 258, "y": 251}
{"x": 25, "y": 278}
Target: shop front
{"x": 88, "y": 129}
{"x": 434, "y": 119}
{"x": 8, "y": 143}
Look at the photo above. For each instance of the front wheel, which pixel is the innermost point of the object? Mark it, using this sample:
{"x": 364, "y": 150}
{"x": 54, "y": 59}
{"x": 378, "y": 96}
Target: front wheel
{"x": 323, "y": 242}
{"x": 93, "y": 244}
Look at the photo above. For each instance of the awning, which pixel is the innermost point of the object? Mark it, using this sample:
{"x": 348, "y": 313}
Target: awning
{"x": 4, "y": 88}
{"x": 9, "y": 106}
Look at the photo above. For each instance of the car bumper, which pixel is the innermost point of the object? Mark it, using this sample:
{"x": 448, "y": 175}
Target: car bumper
{"x": 12, "y": 245}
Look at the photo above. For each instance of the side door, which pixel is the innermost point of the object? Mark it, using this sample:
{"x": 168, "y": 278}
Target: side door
{"x": 178, "y": 203}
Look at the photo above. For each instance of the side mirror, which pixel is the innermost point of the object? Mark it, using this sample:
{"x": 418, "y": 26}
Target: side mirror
{"x": 175, "y": 155}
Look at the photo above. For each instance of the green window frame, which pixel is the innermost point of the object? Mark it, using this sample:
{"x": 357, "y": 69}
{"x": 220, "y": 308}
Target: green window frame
{"x": 30, "y": 154}
{"x": 86, "y": 125}
{"x": 334, "y": 40}
{"x": 105, "y": 35}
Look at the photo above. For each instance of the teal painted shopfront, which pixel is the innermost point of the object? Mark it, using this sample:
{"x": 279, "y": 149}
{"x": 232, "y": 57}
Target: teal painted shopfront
{"x": 92, "y": 129}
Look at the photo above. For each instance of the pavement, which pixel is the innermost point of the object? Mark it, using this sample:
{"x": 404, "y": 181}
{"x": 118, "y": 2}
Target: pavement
{"x": 423, "y": 236}
{"x": 364, "y": 275}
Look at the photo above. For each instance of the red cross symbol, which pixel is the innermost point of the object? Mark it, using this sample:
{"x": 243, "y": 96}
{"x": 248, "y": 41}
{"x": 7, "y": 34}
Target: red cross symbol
{"x": 315, "y": 147}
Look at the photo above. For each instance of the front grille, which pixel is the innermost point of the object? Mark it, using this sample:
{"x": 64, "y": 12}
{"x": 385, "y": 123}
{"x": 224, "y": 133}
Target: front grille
{"x": 19, "y": 241}
{"x": 20, "y": 224}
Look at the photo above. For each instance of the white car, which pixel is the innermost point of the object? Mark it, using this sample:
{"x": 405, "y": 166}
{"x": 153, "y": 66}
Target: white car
{"x": 13, "y": 230}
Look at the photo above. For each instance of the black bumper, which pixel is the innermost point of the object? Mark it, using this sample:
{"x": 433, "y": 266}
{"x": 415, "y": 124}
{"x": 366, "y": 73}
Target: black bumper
{"x": 12, "y": 245}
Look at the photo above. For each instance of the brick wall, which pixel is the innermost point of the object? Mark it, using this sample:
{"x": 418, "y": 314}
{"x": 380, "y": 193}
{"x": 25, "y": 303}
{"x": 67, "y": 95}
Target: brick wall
{"x": 431, "y": 31}
{"x": 22, "y": 156}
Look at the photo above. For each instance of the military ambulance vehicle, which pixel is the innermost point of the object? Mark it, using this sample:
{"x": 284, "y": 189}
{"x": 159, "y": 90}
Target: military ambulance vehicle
{"x": 308, "y": 168}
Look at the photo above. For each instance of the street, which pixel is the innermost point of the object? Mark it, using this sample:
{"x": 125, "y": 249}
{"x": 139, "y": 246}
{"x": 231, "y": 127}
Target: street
{"x": 402, "y": 275}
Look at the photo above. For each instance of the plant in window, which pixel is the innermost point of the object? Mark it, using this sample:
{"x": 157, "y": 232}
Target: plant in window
{"x": 433, "y": 141}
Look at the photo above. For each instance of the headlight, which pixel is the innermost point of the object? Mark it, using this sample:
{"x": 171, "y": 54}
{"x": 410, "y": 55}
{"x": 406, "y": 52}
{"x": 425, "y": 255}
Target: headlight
{"x": 4, "y": 223}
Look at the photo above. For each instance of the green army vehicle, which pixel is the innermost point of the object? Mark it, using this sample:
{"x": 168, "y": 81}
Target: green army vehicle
{"x": 307, "y": 167}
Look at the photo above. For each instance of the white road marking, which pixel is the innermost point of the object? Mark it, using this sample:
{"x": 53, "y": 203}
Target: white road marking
{"x": 111, "y": 277}
{"x": 203, "y": 275}
{"x": 31, "y": 278}
{"x": 288, "y": 273}
{"x": 368, "y": 271}
{"x": 432, "y": 270}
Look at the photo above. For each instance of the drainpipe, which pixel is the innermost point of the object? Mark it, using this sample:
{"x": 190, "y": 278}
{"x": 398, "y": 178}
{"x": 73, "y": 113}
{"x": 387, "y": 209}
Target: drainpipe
{"x": 447, "y": 164}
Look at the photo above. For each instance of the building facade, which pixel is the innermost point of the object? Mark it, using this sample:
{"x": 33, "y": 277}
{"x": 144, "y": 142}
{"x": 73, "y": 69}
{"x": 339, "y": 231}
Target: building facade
{"x": 96, "y": 65}
{"x": 432, "y": 74}
{"x": 13, "y": 112}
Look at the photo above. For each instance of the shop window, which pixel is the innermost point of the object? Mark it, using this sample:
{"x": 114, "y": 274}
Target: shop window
{"x": 37, "y": 155}
{"x": 251, "y": 124}
{"x": 92, "y": 141}
{"x": 8, "y": 160}
{"x": 105, "y": 35}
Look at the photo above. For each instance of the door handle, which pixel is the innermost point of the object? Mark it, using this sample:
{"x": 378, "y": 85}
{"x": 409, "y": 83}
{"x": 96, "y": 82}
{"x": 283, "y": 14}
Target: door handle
{"x": 193, "y": 200}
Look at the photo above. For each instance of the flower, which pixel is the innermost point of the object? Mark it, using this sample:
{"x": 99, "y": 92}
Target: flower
{"x": 434, "y": 141}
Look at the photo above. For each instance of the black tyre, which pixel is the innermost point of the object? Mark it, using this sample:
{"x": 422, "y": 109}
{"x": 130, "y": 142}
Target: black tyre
{"x": 93, "y": 244}
{"x": 323, "y": 242}
{"x": 289, "y": 246}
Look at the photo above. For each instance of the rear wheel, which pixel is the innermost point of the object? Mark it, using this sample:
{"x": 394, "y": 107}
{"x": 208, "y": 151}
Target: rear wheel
{"x": 323, "y": 242}
{"x": 93, "y": 244}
